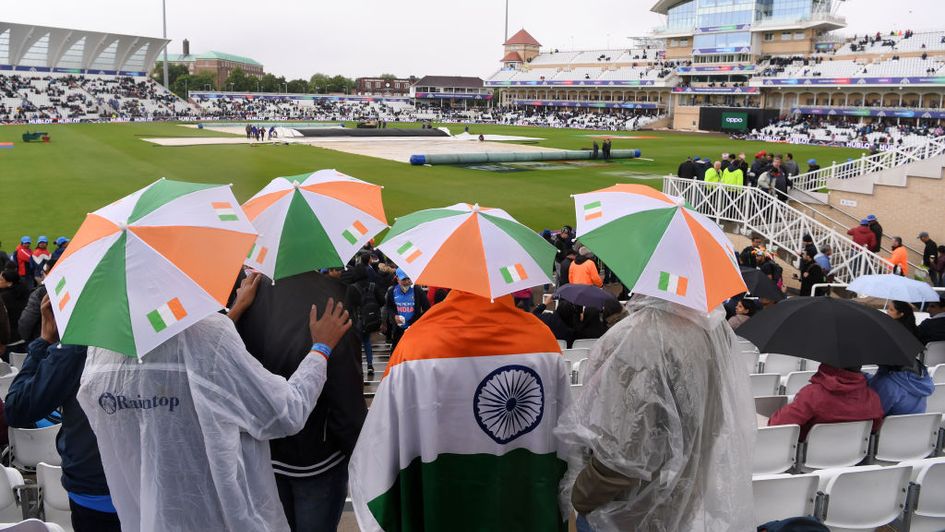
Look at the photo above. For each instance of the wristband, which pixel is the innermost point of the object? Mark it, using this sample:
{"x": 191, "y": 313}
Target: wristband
{"x": 321, "y": 349}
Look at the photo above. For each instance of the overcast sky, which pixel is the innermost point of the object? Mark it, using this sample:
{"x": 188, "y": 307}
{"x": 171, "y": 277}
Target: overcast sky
{"x": 297, "y": 38}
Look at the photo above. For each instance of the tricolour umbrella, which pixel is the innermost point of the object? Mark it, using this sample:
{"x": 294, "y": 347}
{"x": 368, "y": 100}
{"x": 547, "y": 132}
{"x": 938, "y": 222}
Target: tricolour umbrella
{"x": 585, "y": 295}
{"x": 833, "y": 331}
{"x": 312, "y": 221}
{"x": 470, "y": 248}
{"x": 895, "y": 287}
{"x": 760, "y": 285}
{"x": 149, "y": 265}
{"x": 658, "y": 247}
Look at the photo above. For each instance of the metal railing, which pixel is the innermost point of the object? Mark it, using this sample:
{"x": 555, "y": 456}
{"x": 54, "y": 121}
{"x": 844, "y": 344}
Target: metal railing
{"x": 887, "y": 160}
{"x": 783, "y": 225}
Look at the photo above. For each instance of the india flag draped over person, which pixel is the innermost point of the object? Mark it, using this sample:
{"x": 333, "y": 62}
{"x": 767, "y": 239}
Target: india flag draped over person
{"x": 459, "y": 436}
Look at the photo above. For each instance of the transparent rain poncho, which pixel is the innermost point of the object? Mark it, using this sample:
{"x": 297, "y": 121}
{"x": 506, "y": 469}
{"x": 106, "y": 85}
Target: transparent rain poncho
{"x": 665, "y": 402}
{"x": 183, "y": 433}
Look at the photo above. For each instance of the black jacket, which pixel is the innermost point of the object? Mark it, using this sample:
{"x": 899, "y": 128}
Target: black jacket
{"x": 15, "y": 298}
{"x": 275, "y": 331}
{"x": 687, "y": 170}
{"x": 421, "y": 304}
{"x": 932, "y": 330}
{"x": 49, "y": 379}
{"x": 930, "y": 253}
{"x": 877, "y": 230}
{"x": 30, "y": 319}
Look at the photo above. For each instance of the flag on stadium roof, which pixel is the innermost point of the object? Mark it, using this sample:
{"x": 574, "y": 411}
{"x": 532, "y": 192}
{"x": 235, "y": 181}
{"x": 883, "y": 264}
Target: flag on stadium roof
{"x": 312, "y": 221}
{"x": 149, "y": 265}
{"x": 659, "y": 247}
{"x": 470, "y": 248}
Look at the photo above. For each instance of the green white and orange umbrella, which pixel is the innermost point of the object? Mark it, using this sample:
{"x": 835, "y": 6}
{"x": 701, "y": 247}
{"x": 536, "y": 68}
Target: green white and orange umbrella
{"x": 149, "y": 265}
{"x": 659, "y": 247}
{"x": 312, "y": 221}
{"x": 470, "y": 248}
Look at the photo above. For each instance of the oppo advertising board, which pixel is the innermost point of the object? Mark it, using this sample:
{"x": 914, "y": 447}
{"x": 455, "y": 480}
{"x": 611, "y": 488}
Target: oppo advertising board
{"x": 735, "y": 121}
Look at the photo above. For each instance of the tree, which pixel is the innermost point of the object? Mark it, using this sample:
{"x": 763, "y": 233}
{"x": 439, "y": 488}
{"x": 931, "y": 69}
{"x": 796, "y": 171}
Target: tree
{"x": 388, "y": 77}
{"x": 341, "y": 84}
{"x": 318, "y": 83}
{"x": 199, "y": 82}
{"x": 298, "y": 86}
{"x": 239, "y": 81}
{"x": 174, "y": 71}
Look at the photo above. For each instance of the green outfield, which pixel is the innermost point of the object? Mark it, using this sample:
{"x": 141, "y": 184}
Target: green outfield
{"x": 48, "y": 188}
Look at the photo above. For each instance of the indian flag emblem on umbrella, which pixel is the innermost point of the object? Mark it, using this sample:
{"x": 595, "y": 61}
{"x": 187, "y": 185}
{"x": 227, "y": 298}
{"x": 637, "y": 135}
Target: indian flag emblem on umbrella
{"x": 673, "y": 284}
{"x": 225, "y": 211}
{"x": 258, "y": 254}
{"x": 355, "y": 232}
{"x": 63, "y": 297}
{"x": 166, "y": 315}
{"x": 409, "y": 252}
{"x": 593, "y": 211}
{"x": 513, "y": 273}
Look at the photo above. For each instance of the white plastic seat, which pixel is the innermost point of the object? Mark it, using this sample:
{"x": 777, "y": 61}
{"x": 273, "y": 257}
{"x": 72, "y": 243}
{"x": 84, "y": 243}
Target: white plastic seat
{"x": 5, "y": 382}
{"x": 910, "y": 437}
{"x": 929, "y": 513}
{"x": 934, "y": 353}
{"x": 936, "y": 401}
{"x": 767, "y": 405}
{"x": 870, "y": 369}
{"x": 17, "y": 359}
{"x": 782, "y": 496}
{"x": 780, "y": 364}
{"x": 10, "y": 510}
{"x": 796, "y": 380}
{"x": 585, "y": 343}
{"x": 811, "y": 365}
{"x": 6, "y": 369}
{"x": 575, "y": 354}
{"x": 765, "y": 384}
{"x": 775, "y": 449}
{"x": 751, "y": 362}
{"x": 580, "y": 368}
{"x": 836, "y": 444}
{"x": 55, "y": 498}
{"x": 864, "y": 498}
{"x": 937, "y": 373}
{"x": 562, "y": 344}
{"x": 31, "y": 525}
{"x": 29, "y": 447}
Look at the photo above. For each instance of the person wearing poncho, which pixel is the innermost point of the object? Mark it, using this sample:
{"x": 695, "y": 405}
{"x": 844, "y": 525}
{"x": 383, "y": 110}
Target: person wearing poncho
{"x": 661, "y": 437}
{"x": 460, "y": 431}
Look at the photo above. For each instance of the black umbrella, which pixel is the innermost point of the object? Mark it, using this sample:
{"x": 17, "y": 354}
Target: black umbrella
{"x": 760, "y": 285}
{"x": 837, "y": 332}
{"x": 584, "y": 295}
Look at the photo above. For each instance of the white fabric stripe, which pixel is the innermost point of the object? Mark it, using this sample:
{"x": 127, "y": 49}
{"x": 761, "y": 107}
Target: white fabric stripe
{"x": 674, "y": 255}
{"x": 166, "y": 315}
{"x": 279, "y": 471}
{"x": 276, "y": 185}
{"x": 313, "y": 466}
{"x": 615, "y": 205}
{"x": 673, "y": 284}
{"x": 195, "y": 209}
{"x": 335, "y": 216}
{"x": 503, "y": 250}
{"x": 269, "y": 224}
{"x": 427, "y": 237}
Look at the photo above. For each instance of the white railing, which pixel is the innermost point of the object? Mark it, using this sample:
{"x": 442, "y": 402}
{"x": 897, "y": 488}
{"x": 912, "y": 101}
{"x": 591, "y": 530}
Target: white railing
{"x": 783, "y": 225}
{"x": 818, "y": 180}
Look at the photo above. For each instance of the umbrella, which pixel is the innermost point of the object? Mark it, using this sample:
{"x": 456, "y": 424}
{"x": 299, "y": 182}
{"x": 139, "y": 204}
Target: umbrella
{"x": 659, "y": 247}
{"x": 833, "y": 331}
{"x": 760, "y": 285}
{"x": 149, "y": 265}
{"x": 312, "y": 221}
{"x": 470, "y": 248}
{"x": 893, "y": 287}
{"x": 584, "y": 295}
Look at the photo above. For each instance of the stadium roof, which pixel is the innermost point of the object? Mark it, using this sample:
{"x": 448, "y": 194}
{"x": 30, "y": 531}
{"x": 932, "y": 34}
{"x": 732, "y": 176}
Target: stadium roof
{"x": 512, "y": 57}
{"x": 522, "y": 37}
{"x": 181, "y": 58}
{"x": 662, "y": 6}
{"x": 65, "y": 49}
{"x": 462, "y": 82}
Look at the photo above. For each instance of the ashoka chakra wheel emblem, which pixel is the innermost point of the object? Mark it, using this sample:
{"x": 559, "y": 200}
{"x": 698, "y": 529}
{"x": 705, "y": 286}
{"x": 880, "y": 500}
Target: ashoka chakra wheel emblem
{"x": 509, "y": 402}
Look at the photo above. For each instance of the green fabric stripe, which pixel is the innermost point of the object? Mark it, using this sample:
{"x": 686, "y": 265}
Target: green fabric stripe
{"x": 664, "y": 281}
{"x": 161, "y": 193}
{"x": 473, "y": 492}
{"x": 403, "y": 249}
{"x": 229, "y": 218}
{"x": 537, "y": 247}
{"x": 60, "y": 285}
{"x": 626, "y": 244}
{"x": 408, "y": 222}
{"x": 350, "y": 237}
{"x": 101, "y": 316}
{"x": 506, "y": 275}
{"x": 305, "y": 245}
{"x": 156, "y": 321}
{"x": 592, "y": 205}
{"x": 251, "y": 251}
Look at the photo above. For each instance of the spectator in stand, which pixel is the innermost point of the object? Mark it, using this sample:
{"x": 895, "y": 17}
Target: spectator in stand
{"x": 24, "y": 261}
{"x": 811, "y": 274}
{"x": 744, "y": 309}
{"x": 877, "y": 230}
{"x": 49, "y": 380}
{"x": 406, "y": 303}
{"x": 29, "y": 325}
{"x": 714, "y": 174}
{"x": 902, "y": 390}
{"x": 370, "y": 295}
{"x": 14, "y": 295}
{"x": 744, "y": 167}
{"x": 933, "y": 329}
{"x": 687, "y": 170}
{"x": 61, "y": 244}
{"x": 562, "y": 321}
{"x": 862, "y": 235}
{"x": 758, "y": 167}
{"x": 564, "y": 242}
{"x": 904, "y": 314}
{"x": 790, "y": 166}
{"x": 747, "y": 256}
{"x": 591, "y": 325}
{"x": 807, "y": 242}
{"x": 732, "y": 175}
{"x": 41, "y": 256}
{"x": 564, "y": 275}
{"x": 929, "y": 255}
{"x": 834, "y": 395}
{"x": 701, "y": 167}
{"x": 823, "y": 259}
{"x": 5, "y": 329}
{"x": 939, "y": 266}
{"x": 769, "y": 267}
{"x": 780, "y": 180}
{"x": 899, "y": 257}
{"x": 584, "y": 269}
{"x": 812, "y": 165}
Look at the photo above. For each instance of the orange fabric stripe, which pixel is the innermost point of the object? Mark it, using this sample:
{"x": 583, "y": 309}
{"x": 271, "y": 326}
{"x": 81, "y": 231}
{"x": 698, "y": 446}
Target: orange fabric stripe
{"x": 594, "y": 216}
{"x": 184, "y": 247}
{"x": 722, "y": 280}
{"x": 254, "y": 207}
{"x": 93, "y": 229}
{"x": 221, "y": 205}
{"x": 466, "y": 325}
{"x": 64, "y": 301}
{"x": 460, "y": 263}
{"x": 642, "y": 190}
{"x": 364, "y": 196}
{"x": 681, "y": 285}
{"x": 261, "y": 256}
{"x": 521, "y": 271}
{"x": 414, "y": 256}
{"x": 177, "y": 309}
{"x": 360, "y": 227}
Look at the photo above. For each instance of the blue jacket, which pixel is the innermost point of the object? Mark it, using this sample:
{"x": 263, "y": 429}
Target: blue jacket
{"x": 902, "y": 392}
{"x": 49, "y": 379}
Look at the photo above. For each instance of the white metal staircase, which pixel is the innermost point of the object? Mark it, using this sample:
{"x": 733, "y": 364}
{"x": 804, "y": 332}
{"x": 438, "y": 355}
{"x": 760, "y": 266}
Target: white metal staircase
{"x": 783, "y": 225}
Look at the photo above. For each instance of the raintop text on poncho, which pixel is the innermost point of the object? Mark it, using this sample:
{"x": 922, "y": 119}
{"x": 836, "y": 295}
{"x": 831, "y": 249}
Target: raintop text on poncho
{"x": 666, "y": 402}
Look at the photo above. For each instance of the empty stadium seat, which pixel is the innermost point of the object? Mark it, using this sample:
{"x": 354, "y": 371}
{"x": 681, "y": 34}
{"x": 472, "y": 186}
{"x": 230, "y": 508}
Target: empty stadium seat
{"x": 929, "y": 512}
{"x": 936, "y": 401}
{"x": 54, "y": 496}
{"x": 751, "y": 362}
{"x": 767, "y": 405}
{"x": 6, "y": 369}
{"x": 780, "y": 364}
{"x": 796, "y": 380}
{"x": 775, "y": 449}
{"x": 765, "y": 384}
{"x": 10, "y": 510}
{"x": 864, "y": 498}
{"x": 562, "y": 344}
{"x": 779, "y": 497}
{"x": 5, "y": 382}
{"x": 811, "y": 365}
{"x": 937, "y": 373}
{"x": 934, "y": 353}
{"x": 836, "y": 445}
{"x": 575, "y": 354}
{"x": 29, "y": 447}
{"x": 580, "y": 369}
{"x": 584, "y": 343}
{"x": 910, "y": 437}
{"x": 31, "y": 525}
{"x": 17, "y": 359}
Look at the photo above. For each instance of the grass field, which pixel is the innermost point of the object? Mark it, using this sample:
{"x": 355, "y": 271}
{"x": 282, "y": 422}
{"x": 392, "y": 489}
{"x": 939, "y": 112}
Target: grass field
{"x": 48, "y": 188}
